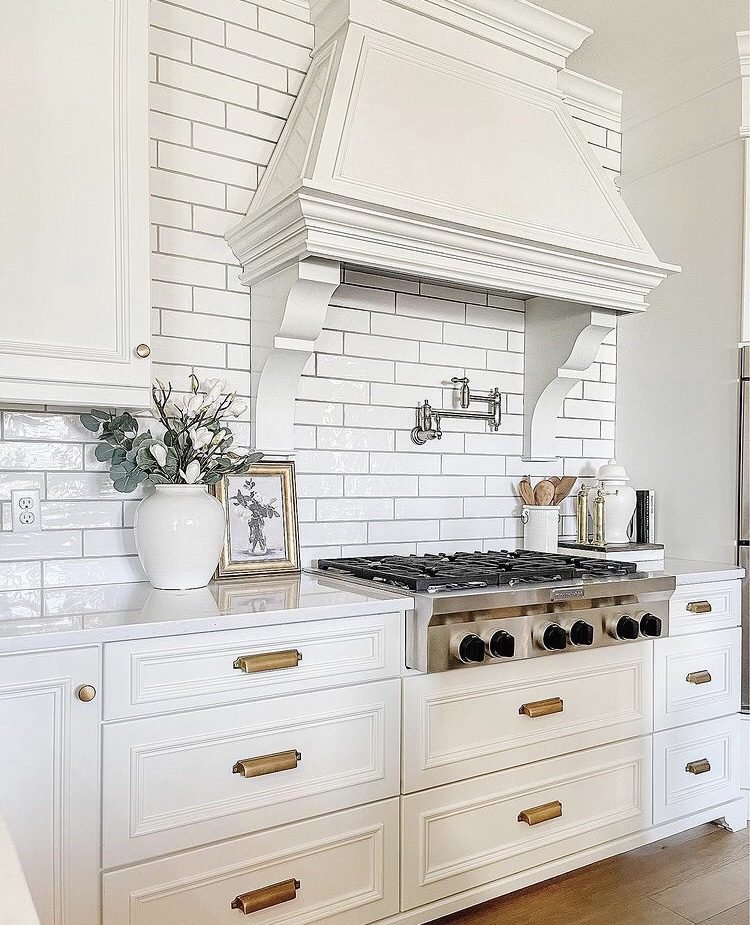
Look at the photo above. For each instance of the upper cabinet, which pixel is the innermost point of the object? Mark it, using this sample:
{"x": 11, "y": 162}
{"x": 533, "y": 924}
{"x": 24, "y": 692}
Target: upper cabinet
{"x": 74, "y": 239}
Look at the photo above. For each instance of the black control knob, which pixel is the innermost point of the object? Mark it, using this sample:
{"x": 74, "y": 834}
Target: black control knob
{"x": 471, "y": 648}
{"x": 581, "y": 633}
{"x": 650, "y": 625}
{"x": 554, "y": 637}
{"x": 501, "y": 645}
{"x": 627, "y": 628}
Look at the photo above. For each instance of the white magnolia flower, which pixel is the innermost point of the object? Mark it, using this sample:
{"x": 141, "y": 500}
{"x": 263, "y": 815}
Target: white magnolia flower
{"x": 171, "y": 409}
{"x": 200, "y": 437}
{"x": 159, "y": 453}
{"x": 220, "y": 436}
{"x": 237, "y": 408}
{"x": 194, "y": 404}
{"x": 192, "y": 472}
{"x": 214, "y": 388}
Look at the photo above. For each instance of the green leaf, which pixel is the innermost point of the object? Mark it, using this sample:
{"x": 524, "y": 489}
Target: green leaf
{"x": 102, "y": 415}
{"x": 104, "y": 452}
{"x": 118, "y": 455}
{"x": 90, "y": 422}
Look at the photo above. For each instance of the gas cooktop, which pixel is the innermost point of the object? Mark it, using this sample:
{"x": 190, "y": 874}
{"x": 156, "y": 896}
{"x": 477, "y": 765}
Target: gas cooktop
{"x": 467, "y": 570}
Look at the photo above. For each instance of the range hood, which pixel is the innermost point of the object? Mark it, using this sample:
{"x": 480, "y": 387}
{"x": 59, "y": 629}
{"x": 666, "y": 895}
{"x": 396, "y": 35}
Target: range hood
{"x": 430, "y": 138}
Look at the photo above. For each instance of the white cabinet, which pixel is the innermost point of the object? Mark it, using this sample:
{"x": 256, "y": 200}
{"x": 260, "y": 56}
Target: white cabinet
{"x": 49, "y": 782}
{"x": 74, "y": 270}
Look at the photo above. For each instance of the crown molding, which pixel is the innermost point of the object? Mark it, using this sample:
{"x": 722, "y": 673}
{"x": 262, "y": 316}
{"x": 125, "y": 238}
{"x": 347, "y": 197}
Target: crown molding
{"x": 594, "y": 101}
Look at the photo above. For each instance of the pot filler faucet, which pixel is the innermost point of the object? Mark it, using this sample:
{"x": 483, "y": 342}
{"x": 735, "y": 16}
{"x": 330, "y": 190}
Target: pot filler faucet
{"x": 428, "y": 418}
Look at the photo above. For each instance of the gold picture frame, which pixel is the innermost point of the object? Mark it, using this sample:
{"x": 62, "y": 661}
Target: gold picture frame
{"x": 253, "y": 501}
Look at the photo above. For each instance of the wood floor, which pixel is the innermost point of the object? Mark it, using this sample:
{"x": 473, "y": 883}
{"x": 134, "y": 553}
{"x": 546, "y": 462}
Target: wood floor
{"x": 699, "y": 876}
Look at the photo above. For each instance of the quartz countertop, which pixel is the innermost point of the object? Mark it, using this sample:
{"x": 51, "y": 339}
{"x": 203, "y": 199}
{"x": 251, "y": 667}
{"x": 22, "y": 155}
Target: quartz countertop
{"x": 105, "y": 613}
{"x": 690, "y": 572}
{"x": 16, "y": 907}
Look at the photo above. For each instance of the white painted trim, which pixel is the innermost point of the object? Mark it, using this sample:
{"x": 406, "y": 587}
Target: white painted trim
{"x": 600, "y": 102}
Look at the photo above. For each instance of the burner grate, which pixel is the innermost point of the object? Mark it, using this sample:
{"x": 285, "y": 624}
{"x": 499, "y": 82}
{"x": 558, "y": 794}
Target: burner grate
{"x": 464, "y": 570}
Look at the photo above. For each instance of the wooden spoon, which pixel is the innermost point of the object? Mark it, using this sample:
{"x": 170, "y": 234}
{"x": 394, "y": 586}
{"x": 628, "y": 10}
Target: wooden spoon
{"x": 564, "y": 488}
{"x": 544, "y": 493}
{"x": 526, "y": 491}
{"x": 554, "y": 479}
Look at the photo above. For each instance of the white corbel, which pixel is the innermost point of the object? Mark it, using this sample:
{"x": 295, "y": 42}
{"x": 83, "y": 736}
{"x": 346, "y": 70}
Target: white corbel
{"x": 287, "y": 316}
{"x": 561, "y": 342}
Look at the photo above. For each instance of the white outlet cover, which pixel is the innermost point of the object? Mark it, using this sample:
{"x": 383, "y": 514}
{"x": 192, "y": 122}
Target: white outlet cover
{"x": 25, "y": 510}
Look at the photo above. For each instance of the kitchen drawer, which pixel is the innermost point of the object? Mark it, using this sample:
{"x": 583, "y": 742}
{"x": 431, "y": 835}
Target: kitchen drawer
{"x": 696, "y": 767}
{"x": 458, "y": 724}
{"x": 169, "y": 782}
{"x": 696, "y": 678}
{"x": 463, "y": 835}
{"x": 148, "y": 676}
{"x": 714, "y": 605}
{"x": 346, "y": 865}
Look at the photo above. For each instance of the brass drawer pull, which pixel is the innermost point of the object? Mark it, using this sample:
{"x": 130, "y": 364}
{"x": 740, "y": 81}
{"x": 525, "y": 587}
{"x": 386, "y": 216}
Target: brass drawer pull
{"x": 698, "y": 677}
{"x": 268, "y": 661}
{"x": 698, "y": 767}
{"x": 542, "y": 707}
{"x": 699, "y": 607}
{"x": 266, "y": 896}
{"x": 267, "y": 764}
{"x": 542, "y": 813}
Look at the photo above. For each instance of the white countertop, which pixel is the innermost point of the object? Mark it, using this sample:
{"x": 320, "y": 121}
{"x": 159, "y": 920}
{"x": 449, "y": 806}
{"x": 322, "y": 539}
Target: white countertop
{"x": 690, "y": 572}
{"x": 106, "y": 613}
{"x": 16, "y": 907}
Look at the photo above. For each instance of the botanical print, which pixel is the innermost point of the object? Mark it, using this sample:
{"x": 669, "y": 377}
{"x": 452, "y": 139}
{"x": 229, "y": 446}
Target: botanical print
{"x": 260, "y": 509}
{"x": 256, "y": 526}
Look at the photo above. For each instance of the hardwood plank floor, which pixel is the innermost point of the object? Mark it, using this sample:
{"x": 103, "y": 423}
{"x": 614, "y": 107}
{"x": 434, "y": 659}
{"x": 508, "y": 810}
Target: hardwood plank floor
{"x": 701, "y": 876}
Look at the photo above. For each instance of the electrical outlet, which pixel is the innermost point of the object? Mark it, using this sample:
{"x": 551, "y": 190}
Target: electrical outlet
{"x": 25, "y": 510}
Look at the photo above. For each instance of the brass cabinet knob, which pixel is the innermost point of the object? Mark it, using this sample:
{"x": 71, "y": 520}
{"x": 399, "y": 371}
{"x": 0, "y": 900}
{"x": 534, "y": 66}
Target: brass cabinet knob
{"x": 699, "y": 607}
{"x": 86, "y": 693}
{"x": 698, "y": 767}
{"x": 542, "y": 813}
{"x": 267, "y": 661}
{"x": 267, "y": 764}
{"x": 143, "y": 351}
{"x": 699, "y": 677}
{"x": 542, "y": 707}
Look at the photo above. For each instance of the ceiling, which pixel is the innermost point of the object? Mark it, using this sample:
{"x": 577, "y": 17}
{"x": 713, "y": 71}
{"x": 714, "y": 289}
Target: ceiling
{"x": 635, "y": 38}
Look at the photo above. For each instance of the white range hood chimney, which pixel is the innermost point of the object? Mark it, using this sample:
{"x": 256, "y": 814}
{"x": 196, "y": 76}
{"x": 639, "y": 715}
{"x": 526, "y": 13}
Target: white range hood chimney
{"x": 430, "y": 139}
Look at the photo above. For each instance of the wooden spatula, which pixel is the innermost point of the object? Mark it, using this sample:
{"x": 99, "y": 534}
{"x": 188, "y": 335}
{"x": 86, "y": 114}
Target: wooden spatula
{"x": 544, "y": 493}
{"x": 564, "y": 488}
{"x": 526, "y": 491}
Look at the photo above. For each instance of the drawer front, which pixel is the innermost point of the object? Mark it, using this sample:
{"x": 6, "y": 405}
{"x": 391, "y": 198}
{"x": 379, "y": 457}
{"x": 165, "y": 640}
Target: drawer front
{"x": 346, "y": 865}
{"x": 696, "y": 767}
{"x": 172, "y": 782}
{"x": 696, "y": 678}
{"x": 464, "y": 835}
{"x": 458, "y": 724}
{"x": 150, "y": 676}
{"x": 715, "y": 605}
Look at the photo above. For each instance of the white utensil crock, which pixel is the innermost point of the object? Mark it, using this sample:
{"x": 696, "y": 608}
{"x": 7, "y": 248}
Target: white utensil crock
{"x": 179, "y": 531}
{"x": 541, "y": 526}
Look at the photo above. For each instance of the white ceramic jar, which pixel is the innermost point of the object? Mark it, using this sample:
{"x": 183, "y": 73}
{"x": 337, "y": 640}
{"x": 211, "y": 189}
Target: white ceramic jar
{"x": 541, "y": 527}
{"x": 619, "y": 502}
{"x": 179, "y": 532}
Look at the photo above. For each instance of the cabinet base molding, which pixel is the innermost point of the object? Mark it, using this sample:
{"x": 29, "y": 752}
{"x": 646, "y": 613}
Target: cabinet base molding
{"x": 728, "y": 815}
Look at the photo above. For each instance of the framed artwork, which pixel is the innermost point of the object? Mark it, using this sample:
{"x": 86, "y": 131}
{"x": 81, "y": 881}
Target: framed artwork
{"x": 262, "y": 534}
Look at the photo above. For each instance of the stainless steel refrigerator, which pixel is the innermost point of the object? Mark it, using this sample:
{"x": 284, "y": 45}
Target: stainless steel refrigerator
{"x": 743, "y": 546}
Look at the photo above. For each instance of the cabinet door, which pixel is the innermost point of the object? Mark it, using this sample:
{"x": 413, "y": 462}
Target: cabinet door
{"x": 74, "y": 271}
{"x": 49, "y": 779}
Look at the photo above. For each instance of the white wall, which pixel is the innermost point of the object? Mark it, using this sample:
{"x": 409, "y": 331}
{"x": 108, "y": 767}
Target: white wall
{"x": 224, "y": 75}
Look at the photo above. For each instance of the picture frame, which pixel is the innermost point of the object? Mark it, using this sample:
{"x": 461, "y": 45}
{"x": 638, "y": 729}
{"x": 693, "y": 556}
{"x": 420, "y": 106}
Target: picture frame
{"x": 262, "y": 530}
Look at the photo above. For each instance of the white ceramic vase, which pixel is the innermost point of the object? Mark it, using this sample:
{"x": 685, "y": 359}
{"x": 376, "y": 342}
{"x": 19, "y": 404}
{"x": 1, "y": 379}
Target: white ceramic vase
{"x": 179, "y": 531}
{"x": 619, "y": 502}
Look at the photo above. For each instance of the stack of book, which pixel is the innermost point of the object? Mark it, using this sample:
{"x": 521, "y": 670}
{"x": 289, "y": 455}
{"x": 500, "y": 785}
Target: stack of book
{"x": 643, "y": 525}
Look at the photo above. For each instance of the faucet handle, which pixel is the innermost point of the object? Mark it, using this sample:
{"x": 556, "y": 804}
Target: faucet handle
{"x": 463, "y": 379}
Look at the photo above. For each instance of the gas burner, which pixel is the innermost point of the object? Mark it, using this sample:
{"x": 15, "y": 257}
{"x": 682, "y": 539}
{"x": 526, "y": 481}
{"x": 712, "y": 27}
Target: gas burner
{"x": 466, "y": 570}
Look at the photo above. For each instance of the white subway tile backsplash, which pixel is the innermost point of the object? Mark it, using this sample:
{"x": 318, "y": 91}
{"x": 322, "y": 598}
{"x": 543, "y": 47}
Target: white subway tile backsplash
{"x": 41, "y": 545}
{"x": 117, "y": 542}
{"x": 431, "y": 309}
{"x": 224, "y": 74}
{"x": 354, "y": 509}
{"x": 69, "y": 515}
{"x": 25, "y": 455}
